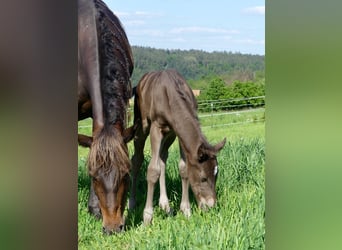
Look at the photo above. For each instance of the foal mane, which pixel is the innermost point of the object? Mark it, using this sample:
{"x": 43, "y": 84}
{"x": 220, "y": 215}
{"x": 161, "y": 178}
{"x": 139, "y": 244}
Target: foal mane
{"x": 187, "y": 98}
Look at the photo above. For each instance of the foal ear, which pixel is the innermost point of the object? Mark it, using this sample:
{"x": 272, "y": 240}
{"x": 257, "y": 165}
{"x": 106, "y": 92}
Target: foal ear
{"x": 220, "y": 145}
{"x": 203, "y": 153}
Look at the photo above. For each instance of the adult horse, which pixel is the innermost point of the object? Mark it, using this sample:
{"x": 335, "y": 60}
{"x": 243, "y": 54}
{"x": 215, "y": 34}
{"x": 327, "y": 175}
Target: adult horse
{"x": 165, "y": 107}
{"x": 105, "y": 65}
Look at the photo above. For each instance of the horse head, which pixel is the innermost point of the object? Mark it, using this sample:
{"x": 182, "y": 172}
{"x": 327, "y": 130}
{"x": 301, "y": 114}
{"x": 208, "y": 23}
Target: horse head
{"x": 109, "y": 167}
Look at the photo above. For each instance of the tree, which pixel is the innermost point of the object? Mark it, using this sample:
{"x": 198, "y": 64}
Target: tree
{"x": 216, "y": 89}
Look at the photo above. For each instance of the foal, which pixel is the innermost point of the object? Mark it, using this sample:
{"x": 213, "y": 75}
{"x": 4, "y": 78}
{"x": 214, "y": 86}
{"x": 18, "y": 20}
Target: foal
{"x": 165, "y": 107}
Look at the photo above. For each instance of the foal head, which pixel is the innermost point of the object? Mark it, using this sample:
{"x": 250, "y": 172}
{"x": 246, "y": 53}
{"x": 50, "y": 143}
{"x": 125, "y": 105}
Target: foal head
{"x": 202, "y": 172}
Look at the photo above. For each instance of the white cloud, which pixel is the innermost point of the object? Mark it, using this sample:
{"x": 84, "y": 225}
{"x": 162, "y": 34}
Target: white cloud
{"x": 147, "y": 32}
{"x": 137, "y": 14}
{"x": 136, "y": 18}
{"x": 196, "y": 29}
{"x": 135, "y": 22}
{"x": 251, "y": 41}
{"x": 121, "y": 14}
{"x": 178, "y": 40}
{"x": 260, "y": 10}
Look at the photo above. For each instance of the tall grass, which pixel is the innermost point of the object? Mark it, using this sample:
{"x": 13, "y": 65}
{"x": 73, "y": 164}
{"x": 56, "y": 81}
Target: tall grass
{"x": 236, "y": 222}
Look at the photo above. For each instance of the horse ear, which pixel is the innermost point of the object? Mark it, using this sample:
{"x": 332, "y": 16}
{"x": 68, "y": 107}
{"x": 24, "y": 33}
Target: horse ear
{"x": 220, "y": 145}
{"x": 202, "y": 153}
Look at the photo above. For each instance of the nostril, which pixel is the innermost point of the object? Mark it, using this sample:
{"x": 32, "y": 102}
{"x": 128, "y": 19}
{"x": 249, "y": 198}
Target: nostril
{"x": 106, "y": 231}
{"x": 121, "y": 227}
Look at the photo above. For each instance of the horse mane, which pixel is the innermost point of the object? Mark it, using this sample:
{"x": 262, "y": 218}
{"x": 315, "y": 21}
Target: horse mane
{"x": 113, "y": 152}
{"x": 116, "y": 65}
{"x": 108, "y": 148}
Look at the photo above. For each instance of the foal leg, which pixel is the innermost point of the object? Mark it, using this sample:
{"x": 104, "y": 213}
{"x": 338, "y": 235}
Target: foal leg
{"x": 153, "y": 171}
{"x": 137, "y": 159}
{"x": 163, "y": 199}
{"x": 183, "y": 172}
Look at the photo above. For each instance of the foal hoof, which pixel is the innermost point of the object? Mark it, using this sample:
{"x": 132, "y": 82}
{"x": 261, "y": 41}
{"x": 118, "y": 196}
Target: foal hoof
{"x": 185, "y": 208}
{"x": 165, "y": 206}
{"x": 148, "y": 215}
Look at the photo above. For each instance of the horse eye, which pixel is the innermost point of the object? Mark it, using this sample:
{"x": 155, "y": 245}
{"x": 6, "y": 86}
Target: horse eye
{"x": 203, "y": 179}
{"x": 96, "y": 179}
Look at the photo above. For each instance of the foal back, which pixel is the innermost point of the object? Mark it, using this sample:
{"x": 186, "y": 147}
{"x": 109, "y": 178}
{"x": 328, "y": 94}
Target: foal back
{"x": 164, "y": 97}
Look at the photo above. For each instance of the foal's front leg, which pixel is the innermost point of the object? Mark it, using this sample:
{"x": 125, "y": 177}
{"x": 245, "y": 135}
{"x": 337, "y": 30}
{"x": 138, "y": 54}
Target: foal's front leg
{"x": 164, "y": 152}
{"x": 153, "y": 171}
{"x": 183, "y": 172}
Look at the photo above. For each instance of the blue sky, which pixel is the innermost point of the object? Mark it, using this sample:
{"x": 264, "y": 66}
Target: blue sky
{"x": 214, "y": 25}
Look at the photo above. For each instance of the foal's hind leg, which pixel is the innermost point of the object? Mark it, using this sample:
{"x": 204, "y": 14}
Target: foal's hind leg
{"x": 183, "y": 172}
{"x": 167, "y": 142}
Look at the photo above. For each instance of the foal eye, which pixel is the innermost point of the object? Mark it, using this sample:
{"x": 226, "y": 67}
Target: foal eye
{"x": 203, "y": 179}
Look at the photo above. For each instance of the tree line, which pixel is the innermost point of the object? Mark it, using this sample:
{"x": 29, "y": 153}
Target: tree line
{"x": 195, "y": 65}
{"x": 219, "y": 75}
{"x": 238, "y": 95}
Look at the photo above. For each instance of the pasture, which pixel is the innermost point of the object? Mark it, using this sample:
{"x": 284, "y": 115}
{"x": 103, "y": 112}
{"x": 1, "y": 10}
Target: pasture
{"x": 236, "y": 222}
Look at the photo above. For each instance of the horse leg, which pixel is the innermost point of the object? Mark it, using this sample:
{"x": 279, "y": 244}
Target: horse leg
{"x": 93, "y": 202}
{"x": 137, "y": 159}
{"x": 163, "y": 199}
{"x": 183, "y": 172}
{"x": 153, "y": 171}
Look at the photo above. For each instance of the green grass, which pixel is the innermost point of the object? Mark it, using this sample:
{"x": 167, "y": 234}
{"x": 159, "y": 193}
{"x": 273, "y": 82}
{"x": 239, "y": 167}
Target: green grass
{"x": 236, "y": 222}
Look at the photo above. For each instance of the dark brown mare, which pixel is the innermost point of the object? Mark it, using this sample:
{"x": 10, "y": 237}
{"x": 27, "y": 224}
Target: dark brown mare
{"x": 165, "y": 107}
{"x": 105, "y": 65}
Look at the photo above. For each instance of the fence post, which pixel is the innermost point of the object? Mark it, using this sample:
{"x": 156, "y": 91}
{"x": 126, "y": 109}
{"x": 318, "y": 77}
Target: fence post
{"x": 212, "y": 114}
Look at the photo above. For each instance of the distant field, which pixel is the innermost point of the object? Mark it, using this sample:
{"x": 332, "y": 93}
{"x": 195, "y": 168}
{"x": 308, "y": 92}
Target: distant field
{"x": 237, "y": 222}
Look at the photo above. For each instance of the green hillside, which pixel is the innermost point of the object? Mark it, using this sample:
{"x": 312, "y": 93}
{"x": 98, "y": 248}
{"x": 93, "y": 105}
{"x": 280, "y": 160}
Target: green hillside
{"x": 199, "y": 67}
